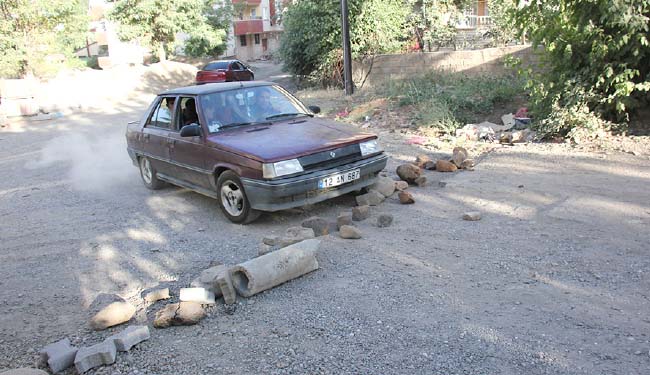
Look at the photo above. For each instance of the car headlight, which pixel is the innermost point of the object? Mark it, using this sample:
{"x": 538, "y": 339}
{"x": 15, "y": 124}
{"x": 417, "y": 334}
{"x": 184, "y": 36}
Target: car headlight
{"x": 281, "y": 168}
{"x": 369, "y": 147}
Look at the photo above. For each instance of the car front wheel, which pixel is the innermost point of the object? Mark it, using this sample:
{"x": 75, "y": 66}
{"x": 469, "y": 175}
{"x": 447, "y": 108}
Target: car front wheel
{"x": 233, "y": 200}
{"x": 149, "y": 174}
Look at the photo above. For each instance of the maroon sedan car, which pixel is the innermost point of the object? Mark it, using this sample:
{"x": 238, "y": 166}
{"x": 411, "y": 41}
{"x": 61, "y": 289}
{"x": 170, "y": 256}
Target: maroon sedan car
{"x": 224, "y": 71}
{"x": 252, "y": 146}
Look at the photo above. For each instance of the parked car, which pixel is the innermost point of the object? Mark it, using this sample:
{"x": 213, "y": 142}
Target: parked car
{"x": 252, "y": 146}
{"x": 224, "y": 71}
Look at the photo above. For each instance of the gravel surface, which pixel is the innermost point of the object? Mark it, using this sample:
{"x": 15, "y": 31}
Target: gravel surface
{"x": 552, "y": 280}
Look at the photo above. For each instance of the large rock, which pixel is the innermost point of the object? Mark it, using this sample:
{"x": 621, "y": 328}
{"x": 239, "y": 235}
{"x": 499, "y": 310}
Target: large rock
{"x": 401, "y": 185}
{"x": 409, "y": 172}
{"x": 372, "y": 198}
{"x": 157, "y": 295}
{"x": 421, "y": 181}
{"x": 421, "y": 160}
{"x": 360, "y": 213}
{"x": 459, "y": 155}
{"x": 405, "y": 197}
{"x": 112, "y": 315}
{"x": 320, "y": 226}
{"x": 445, "y": 166}
{"x": 343, "y": 219}
{"x": 179, "y": 314}
{"x": 350, "y": 232}
{"x": 384, "y": 185}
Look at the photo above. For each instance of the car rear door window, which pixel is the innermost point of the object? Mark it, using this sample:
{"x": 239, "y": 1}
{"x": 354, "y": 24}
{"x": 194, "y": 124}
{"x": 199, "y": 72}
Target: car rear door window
{"x": 188, "y": 113}
{"x": 163, "y": 114}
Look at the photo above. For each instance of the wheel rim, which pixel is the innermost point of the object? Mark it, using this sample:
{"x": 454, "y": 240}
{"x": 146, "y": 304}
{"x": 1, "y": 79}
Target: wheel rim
{"x": 145, "y": 167}
{"x": 232, "y": 198}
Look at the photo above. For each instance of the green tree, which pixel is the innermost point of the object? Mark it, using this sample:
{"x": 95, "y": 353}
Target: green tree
{"x": 311, "y": 42}
{"x": 33, "y": 31}
{"x": 156, "y": 23}
{"x": 434, "y": 21}
{"x": 595, "y": 58}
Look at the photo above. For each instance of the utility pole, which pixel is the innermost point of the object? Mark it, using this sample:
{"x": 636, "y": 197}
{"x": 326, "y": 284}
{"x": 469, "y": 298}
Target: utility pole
{"x": 347, "y": 58}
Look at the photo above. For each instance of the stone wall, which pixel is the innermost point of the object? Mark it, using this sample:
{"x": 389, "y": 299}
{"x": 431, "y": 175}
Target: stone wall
{"x": 398, "y": 66}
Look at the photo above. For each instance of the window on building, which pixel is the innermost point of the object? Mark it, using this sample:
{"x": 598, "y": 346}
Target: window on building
{"x": 242, "y": 40}
{"x": 253, "y": 13}
{"x": 265, "y": 13}
{"x": 257, "y": 38}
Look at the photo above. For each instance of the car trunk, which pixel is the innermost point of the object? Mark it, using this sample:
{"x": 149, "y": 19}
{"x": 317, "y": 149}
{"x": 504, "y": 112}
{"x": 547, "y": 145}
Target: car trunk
{"x": 314, "y": 141}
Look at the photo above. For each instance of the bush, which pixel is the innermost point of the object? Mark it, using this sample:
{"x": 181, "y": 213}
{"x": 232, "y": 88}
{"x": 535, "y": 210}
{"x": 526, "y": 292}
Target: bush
{"x": 595, "y": 60}
{"x": 447, "y": 101}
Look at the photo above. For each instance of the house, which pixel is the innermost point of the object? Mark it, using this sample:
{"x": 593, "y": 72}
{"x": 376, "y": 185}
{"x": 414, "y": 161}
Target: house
{"x": 256, "y": 28}
{"x": 477, "y": 16}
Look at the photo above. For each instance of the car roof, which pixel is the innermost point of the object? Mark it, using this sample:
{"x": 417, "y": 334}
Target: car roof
{"x": 213, "y": 87}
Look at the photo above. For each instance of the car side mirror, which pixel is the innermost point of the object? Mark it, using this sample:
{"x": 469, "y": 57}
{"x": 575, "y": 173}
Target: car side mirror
{"x": 192, "y": 130}
{"x": 314, "y": 108}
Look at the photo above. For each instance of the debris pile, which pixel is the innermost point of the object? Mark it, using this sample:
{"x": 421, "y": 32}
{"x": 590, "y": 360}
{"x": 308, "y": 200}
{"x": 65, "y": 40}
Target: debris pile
{"x": 515, "y": 129}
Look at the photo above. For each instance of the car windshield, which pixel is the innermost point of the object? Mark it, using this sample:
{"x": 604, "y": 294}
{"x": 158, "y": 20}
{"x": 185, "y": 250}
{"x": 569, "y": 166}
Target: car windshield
{"x": 216, "y": 65}
{"x": 249, "y": 105}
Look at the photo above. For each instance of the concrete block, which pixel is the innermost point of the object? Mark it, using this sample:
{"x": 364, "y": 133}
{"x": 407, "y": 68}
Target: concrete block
{"x": 227, "y": 290}
{"x": 59, "y": 355}
{"x": 275, "y": 268}
{"x": 130, "y": 337}
{"x": 24, "y": 371}
{"x": 208, "y": 279}
{"x": 198, "y": 295}
{"x": 97, "y": 355}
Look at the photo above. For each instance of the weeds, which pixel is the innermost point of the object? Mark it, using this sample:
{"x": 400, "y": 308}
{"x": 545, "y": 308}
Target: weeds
{"x": 447, "y": 101}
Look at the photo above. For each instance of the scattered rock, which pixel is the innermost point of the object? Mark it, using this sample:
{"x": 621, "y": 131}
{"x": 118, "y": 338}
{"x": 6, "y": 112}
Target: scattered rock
{"x": 445, "y": 166}
{"x": 401, "y": 185}
{"x": 421, "y": 160}
{"x": 198, "y": 295}
{"x": 130, "y": 337}
{"x": 430, "y": 165}
{"x": 227, "y": 290}
{"x": 320, "y": 226}
{"x": 372, "y": 198}
{"x": 384, "y": 220}
{"x": 112, "y": 315}
{"x": 59, "y": 355}
{"x": 405, "y": 197}
{"x": 157, "y": 295}
{"x": 208, "y": 279}
{"x": 421, "y": 181}
{"x": 442, "y": 184}
{"x": 472, "y": 216}
{"x": 467, "y": 164}
{"x": 459, "y": 155}
{"x": 343, "y": 219}
{"x": 408, "y": 172}
{"x": 97, "y": 355}
{"x": 384, "y": 185}
{"x": 179, "y": 314}
{"x": 360, "y": 213}
{"x": 350, "y": 232}
{"x": 292, "y": 235}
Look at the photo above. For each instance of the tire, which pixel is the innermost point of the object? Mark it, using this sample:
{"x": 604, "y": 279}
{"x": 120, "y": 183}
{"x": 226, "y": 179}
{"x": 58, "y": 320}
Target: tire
{"x": 233, "y": 200}
{"x": 149, "y": 174}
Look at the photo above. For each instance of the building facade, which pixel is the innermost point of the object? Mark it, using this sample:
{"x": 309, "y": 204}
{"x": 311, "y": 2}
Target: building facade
{"x": 256, "y": 29}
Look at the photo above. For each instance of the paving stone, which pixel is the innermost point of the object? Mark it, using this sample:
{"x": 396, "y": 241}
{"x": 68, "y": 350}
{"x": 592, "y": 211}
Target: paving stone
{"x": 59, "y": 355}
{"x": 198, "y": 295}
{"x": 97, "y": 355}
{"x": 130, "y": 337}
{"x": 157, "y": 295}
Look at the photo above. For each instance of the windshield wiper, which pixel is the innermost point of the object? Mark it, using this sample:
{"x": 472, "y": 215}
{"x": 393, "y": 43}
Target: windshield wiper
{"x": 288, "y": 114}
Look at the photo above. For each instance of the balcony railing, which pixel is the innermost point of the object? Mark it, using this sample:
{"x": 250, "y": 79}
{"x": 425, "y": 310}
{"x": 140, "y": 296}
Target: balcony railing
{"x": 472, "y": 22}
{"x": 248, "y": 2}
{"x": 249, "y": 27}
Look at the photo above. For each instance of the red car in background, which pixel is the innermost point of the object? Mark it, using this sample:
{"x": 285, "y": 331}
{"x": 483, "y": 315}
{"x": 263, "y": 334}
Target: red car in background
{"x": 224, "y": 71}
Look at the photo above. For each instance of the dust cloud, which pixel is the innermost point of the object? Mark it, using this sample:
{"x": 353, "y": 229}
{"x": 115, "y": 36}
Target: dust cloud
{"x": 92, "y": 163}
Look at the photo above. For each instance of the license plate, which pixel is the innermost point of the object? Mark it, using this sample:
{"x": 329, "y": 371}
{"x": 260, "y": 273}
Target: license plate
{"x": 339, "y": 179}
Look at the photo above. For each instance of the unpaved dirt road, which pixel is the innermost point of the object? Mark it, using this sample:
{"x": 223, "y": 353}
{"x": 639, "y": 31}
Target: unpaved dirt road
{"x": 553, "y": 280}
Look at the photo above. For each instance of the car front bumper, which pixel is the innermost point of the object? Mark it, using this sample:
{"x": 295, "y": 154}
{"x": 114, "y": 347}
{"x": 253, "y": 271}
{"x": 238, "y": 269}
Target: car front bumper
{"x": 285, "y": 193}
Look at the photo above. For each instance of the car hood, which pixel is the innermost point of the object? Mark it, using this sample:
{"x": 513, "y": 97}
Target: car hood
{"x": 288, "y": 139}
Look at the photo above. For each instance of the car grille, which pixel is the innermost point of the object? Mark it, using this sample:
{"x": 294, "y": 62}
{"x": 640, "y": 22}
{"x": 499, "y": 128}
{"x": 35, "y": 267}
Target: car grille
{"x": 331, "y": 158}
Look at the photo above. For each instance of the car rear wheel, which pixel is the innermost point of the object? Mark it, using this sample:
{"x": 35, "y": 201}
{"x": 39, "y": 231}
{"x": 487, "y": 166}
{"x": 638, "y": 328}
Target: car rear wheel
{"x": 233, "y": 200}
{"x": 149, "y": 174}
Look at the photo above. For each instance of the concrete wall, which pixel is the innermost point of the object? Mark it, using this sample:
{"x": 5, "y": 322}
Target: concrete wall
{"x": 489, "y": 60}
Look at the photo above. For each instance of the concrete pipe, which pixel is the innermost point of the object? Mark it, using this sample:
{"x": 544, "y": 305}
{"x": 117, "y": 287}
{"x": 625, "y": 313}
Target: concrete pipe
{"x": 275, "y": 268}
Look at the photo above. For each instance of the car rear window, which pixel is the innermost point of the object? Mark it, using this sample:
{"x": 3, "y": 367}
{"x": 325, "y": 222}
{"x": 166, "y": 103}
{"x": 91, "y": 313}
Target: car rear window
{"x": 216, "y": 65}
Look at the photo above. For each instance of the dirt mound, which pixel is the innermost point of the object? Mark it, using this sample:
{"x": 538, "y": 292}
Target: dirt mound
{"x": 166, "y": 75}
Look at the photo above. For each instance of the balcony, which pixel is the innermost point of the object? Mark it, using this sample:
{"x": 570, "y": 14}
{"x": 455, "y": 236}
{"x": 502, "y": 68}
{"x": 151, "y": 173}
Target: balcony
{"x": 247, "y": 2}
{"x": 470, "y": 21}
{"x": 249, "y": 27}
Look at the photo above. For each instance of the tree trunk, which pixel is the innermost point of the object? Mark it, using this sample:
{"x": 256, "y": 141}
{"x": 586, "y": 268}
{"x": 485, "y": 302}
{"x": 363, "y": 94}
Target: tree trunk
{"x": 162, "y": 56}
